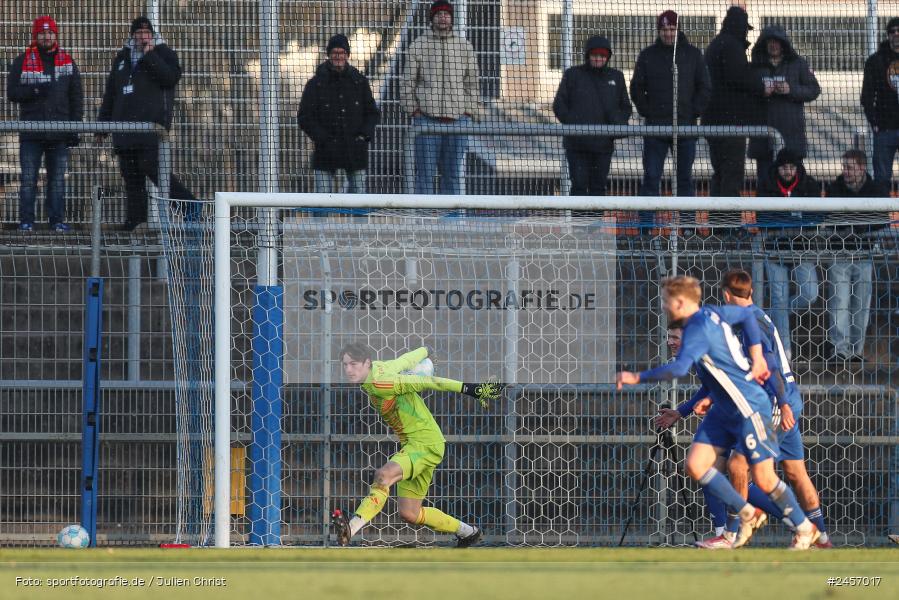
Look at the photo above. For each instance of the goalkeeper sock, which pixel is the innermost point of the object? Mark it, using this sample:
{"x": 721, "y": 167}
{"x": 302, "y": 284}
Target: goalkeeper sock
{"x": 785, "y": 500}
{"x": 718, "y": 485}
{"x": 437, "y": 520}
{"x": 370, "y": 506}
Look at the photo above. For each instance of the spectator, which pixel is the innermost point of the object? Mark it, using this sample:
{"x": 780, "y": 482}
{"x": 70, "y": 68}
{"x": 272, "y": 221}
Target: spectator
{"x": 440, "y": 85}
{"x": 339, "y": 113}
{"x": 45, "y": 82}
{"x": 792, "y": 84}
{"x": 652, "y": 90}
{"x": 881, "y": 103}
{"x": 784, "y": 240}
{"x": 849, "y": 300}
{"x": 141, "y": 87}
{"x": 736, "y": 90}
{"x": 595, "y": 94}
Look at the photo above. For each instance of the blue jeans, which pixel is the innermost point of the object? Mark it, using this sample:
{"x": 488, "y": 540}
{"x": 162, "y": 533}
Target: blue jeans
{"x": 849, "y": 306}
{"x": 654, "y": 152}
{"x": 780, "y": 302}
{"x": 439, "y": 153}
{"x": 340, "y": 181}
{"x": 57, "y": 156}
{"x": 886, "y": 143}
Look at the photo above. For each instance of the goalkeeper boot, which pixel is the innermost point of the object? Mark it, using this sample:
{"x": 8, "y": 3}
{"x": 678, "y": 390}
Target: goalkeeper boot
{"x": 749, "y": 527}
{"x": 341, "y": 527}
{"x": 803, "y": 540}
{"x": 719, "y": 542}
{"x": 893, "y": 537}
{"x": 469, "y": 540}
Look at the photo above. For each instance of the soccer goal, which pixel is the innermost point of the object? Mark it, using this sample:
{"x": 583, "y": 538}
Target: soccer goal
{"x": 551, "y": 295}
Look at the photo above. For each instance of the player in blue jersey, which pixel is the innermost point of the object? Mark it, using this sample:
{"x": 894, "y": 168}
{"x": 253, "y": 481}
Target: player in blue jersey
{"x": 736, "y": 287}
{"x": 741, "y": 412}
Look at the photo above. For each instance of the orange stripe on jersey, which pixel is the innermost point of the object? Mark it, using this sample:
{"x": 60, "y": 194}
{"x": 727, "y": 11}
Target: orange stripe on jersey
{"x": 383, "y": 385}
{"x": 388, "y": 405}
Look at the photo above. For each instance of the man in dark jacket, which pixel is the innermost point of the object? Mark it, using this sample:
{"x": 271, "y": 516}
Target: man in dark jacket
{"x": 793, "y": 84}
{"x": 849, "y": 300}
{"x": 881, "y": 102}
{"x": 45, "y": 82}
{"x": 339, "y": 113}
{"x": 141, "y": 87}
{"x": 735, "y": 92}
{"x": 652, "y": 90}
{"x": 592, "y": 93}
{"x": 784, "y": 238}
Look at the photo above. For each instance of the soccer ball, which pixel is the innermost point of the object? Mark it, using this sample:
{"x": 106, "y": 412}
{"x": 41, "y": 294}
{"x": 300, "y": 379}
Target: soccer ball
{"x": 423, "y": 369}
{"x": 73, "y": 536}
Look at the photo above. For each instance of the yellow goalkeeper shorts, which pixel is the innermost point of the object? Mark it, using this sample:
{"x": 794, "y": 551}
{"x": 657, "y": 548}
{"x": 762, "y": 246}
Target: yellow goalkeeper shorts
{"x": 418, "y": 463}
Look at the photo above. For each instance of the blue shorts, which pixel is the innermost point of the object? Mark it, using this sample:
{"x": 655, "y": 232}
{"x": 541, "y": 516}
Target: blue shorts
{"x": 750, "y": 436}
{"x": 790, "y": 442}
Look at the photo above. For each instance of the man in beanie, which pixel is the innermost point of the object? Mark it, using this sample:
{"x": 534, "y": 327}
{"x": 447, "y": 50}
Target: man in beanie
{"x": 737, "y": 92}
{"x": 881, "y": 103}
{"x": 793, "y": 86}
{"x": 591, "y": 93}
{"x": 652, "y": 90}
{"x": 339, "y": 113}
{"x": 785, "y": 237}
{"x": 45, "y": 82}
{"x": 440, "y": 85}
{"x": 141, "y": 87}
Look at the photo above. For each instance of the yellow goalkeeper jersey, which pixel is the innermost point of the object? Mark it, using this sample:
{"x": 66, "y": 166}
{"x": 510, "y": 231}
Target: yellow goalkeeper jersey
{"x": 396, "y": 398}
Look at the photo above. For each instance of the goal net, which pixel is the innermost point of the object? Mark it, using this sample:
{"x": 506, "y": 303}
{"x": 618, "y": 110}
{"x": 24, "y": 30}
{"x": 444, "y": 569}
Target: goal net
{"x": 552, "y": 301}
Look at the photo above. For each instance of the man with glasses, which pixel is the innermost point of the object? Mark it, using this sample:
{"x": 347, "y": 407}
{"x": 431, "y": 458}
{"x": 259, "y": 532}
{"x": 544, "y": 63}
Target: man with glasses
{"x": 881, "y": 103}
{"x": 141, "y": 87}
{"x": 339, "y": 113}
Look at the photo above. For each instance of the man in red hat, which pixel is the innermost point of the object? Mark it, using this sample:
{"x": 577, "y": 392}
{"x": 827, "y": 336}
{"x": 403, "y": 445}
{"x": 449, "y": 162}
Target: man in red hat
{"x": 440, "y": 85}
{"x": 44, "y": 81}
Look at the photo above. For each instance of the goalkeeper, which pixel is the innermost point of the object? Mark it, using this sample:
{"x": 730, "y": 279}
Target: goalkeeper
{"x": 396, "y": 398}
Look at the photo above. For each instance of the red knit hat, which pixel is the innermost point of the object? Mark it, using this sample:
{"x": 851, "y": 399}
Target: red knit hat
{"x": 667, "y": 19}
{"x": 44, "y": 23}
{"x": 439, "y": 5}
{"x": 601, "y": 52}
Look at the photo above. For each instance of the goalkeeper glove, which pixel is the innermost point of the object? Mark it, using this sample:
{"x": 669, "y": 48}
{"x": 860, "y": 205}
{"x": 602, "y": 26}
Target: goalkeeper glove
{"x": 484, "y": 392}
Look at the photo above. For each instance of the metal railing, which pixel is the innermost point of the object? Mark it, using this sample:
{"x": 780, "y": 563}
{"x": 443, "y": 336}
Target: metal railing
{"x": 531, "y": 129}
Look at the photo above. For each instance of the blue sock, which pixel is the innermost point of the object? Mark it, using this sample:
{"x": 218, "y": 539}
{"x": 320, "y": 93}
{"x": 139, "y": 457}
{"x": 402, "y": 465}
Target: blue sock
{"x": 718, "y": 485}
{"x": 716, "y": 508}
{"x": 760, "y": 499}
{"x": 733, "y": 523}
{"x": 816, "y": 516}
{"x": 784, "y": 498}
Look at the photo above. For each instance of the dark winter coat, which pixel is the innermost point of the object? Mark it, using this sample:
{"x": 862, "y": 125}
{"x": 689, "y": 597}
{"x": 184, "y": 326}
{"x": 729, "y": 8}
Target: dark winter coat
{"x": 57, "y": 96}
{"x": 786, "y": 112}
{"x": 152, "y": 80}
{"x": 592, "y": 96}
{"x": 652, "y": 84}
{"x": 339, "y": 113}
{"x": 879, "y": 98}
{"x": 857, "y": 237}
{"x": 736, "y": 88}
{"x": 808, "y": 187}
{"x": 870, "y": 189}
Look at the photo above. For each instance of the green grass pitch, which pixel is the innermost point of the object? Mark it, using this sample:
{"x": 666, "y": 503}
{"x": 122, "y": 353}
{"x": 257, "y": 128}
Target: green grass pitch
{"x": 438, "y": 573}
